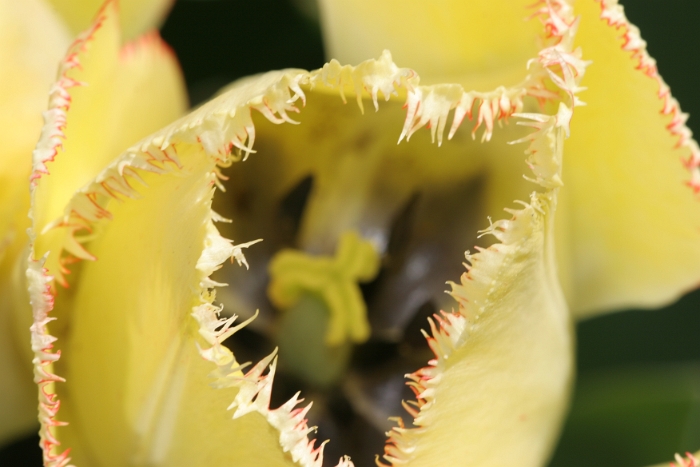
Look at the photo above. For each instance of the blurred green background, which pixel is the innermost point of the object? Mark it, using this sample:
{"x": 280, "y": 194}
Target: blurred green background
{"x": 637, "y": 398}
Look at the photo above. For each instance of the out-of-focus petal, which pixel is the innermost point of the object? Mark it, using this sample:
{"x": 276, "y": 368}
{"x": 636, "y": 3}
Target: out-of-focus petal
{"x": 137, "y": 16}
{"x": 113, "y": 96}
{"x": 629, "y": 223}
{"x": 480, "y": 44}
{"x": 32, "y": 41}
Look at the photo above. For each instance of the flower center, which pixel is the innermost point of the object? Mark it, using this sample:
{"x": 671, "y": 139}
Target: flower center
{"x": 324, "y": 312}
{"x": 360, "y": 236}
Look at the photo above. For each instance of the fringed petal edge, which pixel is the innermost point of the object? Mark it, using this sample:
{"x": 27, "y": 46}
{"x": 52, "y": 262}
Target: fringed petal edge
{"x": 613, "y": 13}
{"x": 40, "y": 283}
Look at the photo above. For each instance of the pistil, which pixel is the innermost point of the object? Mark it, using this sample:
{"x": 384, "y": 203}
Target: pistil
{"x": 320, "y": 296}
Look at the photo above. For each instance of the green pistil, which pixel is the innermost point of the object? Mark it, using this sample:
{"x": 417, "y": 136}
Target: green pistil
{"x": 333, "y": 280}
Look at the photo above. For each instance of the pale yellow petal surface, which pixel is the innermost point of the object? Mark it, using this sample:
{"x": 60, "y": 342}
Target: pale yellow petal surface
{"x": 137, "y": 16}
{"x": 115, "y": 96}
{"x": 632, "y": 224}
{"x": 32, "y": 41}
{"x": 481, "y": 44}
{"x": 136, "y": 323}
{"x": 134, "y": 373}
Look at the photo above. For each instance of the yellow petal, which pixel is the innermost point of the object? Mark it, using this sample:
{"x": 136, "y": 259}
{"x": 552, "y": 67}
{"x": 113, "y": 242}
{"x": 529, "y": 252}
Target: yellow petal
{"x": 631, "y": 223}
{"x": 140, "y": 320}
{"x": 112, "y": 96}
{"x": 498, "y": 388}
{"x": 137, "y": 320}
{"x": 480, "y": 44}
{"x": 32, "y": 41}
{"x": 138, "y": 390}
{"x": 137, "y": 16}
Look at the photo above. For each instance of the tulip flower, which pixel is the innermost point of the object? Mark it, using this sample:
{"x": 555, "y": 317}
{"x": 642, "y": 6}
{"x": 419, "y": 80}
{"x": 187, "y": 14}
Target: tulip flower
{"x": 34, "y": 38}
{"x": 128, "y": 337}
